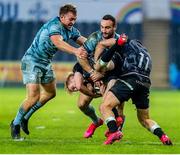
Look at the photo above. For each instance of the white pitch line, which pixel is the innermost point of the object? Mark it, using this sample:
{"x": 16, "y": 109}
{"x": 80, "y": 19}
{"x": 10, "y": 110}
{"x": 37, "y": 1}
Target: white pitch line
{"x": 56, "y": 119}
{"x": 40, "y": 127}
{"x": 71, "y": 112}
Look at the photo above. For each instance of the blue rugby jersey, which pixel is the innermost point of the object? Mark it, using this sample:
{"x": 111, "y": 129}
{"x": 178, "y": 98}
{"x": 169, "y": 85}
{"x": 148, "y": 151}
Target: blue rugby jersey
{"x": 42, "y": 48}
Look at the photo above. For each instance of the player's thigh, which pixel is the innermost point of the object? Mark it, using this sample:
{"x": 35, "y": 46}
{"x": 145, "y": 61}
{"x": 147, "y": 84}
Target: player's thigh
{"x": 109, "y": 85}
{"x": 83, "y": 100}
{"x": 141, "y": 98}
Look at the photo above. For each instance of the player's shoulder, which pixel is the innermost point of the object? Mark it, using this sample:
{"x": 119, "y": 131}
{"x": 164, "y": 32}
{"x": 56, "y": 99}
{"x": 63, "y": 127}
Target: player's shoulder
{"x": 95, "y": 36}
{"x": 54, "y": 22}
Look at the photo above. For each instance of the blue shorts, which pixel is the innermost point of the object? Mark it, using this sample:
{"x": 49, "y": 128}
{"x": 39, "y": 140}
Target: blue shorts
{"x": 36, "y": 73}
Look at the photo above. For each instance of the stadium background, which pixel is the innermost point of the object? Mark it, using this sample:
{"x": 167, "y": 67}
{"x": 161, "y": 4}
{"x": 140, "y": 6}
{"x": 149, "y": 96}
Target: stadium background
{"x": 59, "y": 126}
{"x": 157, "y": 25}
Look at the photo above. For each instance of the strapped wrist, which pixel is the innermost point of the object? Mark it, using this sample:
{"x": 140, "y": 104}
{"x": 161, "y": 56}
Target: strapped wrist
{"x": 102, "y": 63}
{"x": 91, "y": 71}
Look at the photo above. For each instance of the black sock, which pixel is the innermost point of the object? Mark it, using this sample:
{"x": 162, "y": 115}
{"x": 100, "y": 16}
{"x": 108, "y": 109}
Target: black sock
{"x": 158, "y": 132}
{"x": 115, "y": 112}
{"x": 112, "y": 126}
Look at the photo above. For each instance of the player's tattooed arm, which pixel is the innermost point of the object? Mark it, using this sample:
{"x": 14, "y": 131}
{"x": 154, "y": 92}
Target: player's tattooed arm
{"x": 85, "y": 65}
{"x": 103, "y": 68}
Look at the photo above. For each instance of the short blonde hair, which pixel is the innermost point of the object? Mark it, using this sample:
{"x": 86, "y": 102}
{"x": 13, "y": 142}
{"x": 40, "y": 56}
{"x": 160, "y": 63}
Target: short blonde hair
{"x": 66, "y": 83}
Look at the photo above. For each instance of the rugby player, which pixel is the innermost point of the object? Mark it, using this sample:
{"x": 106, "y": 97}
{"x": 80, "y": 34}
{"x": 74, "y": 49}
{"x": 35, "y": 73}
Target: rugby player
{"x": 133, "y": 83}
{"x": 107, "y": 30}
{"x": 36, "y": 64}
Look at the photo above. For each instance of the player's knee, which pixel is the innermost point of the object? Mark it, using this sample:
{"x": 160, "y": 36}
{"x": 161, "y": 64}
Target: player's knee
{"x": 33, "y": 98}
{"x": 52, "y": 95}
{"x": 81, "y": 106}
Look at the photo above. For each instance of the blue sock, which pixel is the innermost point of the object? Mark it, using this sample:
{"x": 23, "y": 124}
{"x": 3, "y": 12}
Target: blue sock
{"x": 32, "y": 110}
{"x": 19, "y": 116}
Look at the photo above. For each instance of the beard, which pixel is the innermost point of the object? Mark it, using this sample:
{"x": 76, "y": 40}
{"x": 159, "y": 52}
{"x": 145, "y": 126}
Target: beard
{"x": 107, "y": 36}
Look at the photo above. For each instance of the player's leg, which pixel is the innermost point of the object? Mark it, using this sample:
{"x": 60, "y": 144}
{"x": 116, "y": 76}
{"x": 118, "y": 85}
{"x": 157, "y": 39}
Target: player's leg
{"x": 33, "y": 94}
{"x": 109, "y": 102}
{"x": 48, "y": 85}
{"x": 119, "y": 93}
{"x": 118, "y": 110}
{"x": 85, "y": 106}
{"x": 152, "y": 126}
{"x": 141, "y": 100}
{"x": 120, "y": 118}
{"x": 47, "y": 93}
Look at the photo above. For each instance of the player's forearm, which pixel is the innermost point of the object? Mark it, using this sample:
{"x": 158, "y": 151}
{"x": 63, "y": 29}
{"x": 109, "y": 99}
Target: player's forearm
{"x": 86, "y": 91}
{"x": 98, "y": 51}
{"x": 107, "y": 55}
{"x": 104, "y": 68}
{"x": 63, "y": 46}
{"x": 85, "y": 65}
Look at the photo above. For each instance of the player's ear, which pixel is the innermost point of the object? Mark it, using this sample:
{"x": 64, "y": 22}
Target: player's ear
{"x": 61, "y": 16}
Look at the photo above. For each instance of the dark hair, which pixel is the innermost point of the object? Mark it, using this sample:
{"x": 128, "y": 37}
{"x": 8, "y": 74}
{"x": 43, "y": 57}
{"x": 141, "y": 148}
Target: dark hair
{"x": 110, "y": 17}
{"x": 67, "y": 8}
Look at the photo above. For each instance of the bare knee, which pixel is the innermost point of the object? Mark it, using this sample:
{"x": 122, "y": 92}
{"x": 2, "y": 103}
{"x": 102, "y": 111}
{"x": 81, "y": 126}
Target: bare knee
{"x": 33, "y": 98}
{"x": 83, "y": 101}
{"x": 109, "y": 102}
{"x": 82, "y": 104}
{"x": 51, "y": 95}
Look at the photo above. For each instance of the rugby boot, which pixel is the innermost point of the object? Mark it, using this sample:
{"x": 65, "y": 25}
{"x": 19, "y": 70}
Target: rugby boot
{"x": 119, "y": 122}
{"x": 15, "y": 131}
{"x": 165, "y": 140}
{"x": 91, "y": 129}
{"x": 112, "y": 137}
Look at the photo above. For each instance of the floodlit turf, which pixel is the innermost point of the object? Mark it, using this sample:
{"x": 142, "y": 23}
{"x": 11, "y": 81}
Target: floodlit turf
{"x": 59, "y": 126}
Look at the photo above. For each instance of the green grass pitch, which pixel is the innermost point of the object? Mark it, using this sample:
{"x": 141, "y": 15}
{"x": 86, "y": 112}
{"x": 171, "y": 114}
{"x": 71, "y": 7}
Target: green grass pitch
{"x": 59, "y": 126}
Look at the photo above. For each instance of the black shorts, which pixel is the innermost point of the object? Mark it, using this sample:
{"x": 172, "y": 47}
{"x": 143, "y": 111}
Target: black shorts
{"x": 134, "y": 88}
